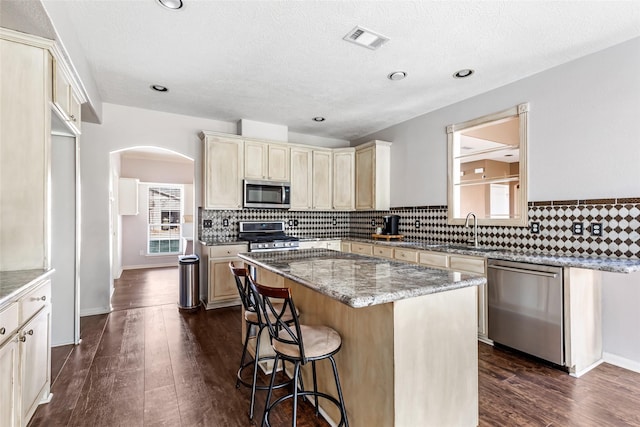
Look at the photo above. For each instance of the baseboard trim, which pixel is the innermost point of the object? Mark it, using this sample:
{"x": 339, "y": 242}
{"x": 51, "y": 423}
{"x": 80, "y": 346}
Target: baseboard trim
{"x": 94, "y": 311}
{"x": 141, "y": 266}
{"x": 621, "y": 362}
{"x": 580, "y": 373}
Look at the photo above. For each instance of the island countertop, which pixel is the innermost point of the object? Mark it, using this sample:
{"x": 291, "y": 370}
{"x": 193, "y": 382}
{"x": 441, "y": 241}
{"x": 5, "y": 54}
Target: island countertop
{"x": 357, "y": 280}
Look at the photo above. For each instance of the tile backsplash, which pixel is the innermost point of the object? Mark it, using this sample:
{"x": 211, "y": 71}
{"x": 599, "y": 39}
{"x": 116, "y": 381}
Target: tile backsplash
{"x": 619, "y": 218}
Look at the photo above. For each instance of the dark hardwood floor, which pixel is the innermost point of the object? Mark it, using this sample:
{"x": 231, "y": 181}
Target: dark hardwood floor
{"x": 152, "y": 365}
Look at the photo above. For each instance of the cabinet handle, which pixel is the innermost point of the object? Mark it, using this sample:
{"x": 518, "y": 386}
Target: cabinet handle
{"x": 3, "y": 330}
{"x": 30, "y": 332}
{"x": 43, "y": 298}
{"x": 23, "y": 338}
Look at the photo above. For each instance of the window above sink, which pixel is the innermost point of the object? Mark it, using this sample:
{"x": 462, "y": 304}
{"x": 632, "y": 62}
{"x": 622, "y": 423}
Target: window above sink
{"x": 488, "y": 168}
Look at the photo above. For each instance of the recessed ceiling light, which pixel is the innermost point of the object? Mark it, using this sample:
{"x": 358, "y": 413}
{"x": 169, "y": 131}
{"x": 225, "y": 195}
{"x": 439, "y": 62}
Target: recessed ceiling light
{"x": 463, "y": 73}
{"x": 159, "y": 88}
{"x": 397, "y": 75}
{"x": 171, "y": 4}
{"x": 318, "y": 119}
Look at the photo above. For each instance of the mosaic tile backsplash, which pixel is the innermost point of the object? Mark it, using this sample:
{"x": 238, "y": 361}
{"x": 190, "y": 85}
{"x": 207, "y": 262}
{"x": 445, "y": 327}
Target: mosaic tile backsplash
{"x": 619, "y": 218}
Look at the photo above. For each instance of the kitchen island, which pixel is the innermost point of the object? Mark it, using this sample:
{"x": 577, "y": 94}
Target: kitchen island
{"x": 409, "y": 348}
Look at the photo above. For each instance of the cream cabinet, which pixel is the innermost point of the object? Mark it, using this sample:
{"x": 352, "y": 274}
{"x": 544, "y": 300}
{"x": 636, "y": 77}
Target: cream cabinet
{"x": 301, "y": 178}
{"x": 25, "y": 355}
{"x": 266, "y": 161}
{"x": 320, "y": 244}
{"x": 221, "y": 285}
{"x": 223, "y": 171}
{"x": 64, "y": 98}
{"x": 373, "y": 174}
{"x": 322, "y": 180}
{"x": 25, "y": 129}
{"x": 344, "y": 170}
{"x": 383, "y": 251}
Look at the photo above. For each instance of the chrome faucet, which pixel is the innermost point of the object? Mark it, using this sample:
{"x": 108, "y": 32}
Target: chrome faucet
{"x": 475, "y": 228}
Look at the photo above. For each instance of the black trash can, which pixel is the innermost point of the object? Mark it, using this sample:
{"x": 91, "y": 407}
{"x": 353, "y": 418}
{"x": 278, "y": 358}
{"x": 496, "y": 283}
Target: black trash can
{"x": 189, "y": 266}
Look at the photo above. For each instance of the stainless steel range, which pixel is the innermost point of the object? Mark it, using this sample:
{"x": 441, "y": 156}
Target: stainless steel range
{"x": 265, "y": 236}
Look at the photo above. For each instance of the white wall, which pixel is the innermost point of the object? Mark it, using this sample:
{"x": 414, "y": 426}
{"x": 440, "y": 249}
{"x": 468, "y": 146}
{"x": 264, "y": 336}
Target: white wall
{"x": 583, "y": 132}
{"x": 584, "y": 142}
{"x": 124, "y": 127}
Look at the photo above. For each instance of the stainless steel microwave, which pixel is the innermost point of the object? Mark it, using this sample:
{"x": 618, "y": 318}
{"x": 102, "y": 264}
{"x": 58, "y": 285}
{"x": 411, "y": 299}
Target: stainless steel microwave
{"x": 267, "y": 194}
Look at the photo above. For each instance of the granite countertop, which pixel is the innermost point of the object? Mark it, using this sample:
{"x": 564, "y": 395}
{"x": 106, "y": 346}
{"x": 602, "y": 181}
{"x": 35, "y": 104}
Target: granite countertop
{"x": 357, "y": 280}
{"x": 615, "y": 265}
{"x": 14, "y": 283}
{"x": 223, "y": 242}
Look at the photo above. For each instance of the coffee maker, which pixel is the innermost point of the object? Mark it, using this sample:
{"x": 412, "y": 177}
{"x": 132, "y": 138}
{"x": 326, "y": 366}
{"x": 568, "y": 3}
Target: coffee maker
{"x": 390, "y": 224}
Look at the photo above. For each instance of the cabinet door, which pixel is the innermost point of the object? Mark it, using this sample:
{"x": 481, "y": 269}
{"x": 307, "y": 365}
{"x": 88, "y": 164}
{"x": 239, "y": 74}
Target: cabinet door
{"x": 322, "y": 182}
{"x": 223, "y": 173}
{"x": 255, "y": 160}
{"x": 222, "y": 281}
{"x": 365, "y": 178}
{"x": 9, "y": 383}
{"x": 278, "y": 165}
{"x": 35, "y": 363}
{"x": 344, "y": 179}
{"x": 301, "y": 178}
{"x": 334, "y": 245}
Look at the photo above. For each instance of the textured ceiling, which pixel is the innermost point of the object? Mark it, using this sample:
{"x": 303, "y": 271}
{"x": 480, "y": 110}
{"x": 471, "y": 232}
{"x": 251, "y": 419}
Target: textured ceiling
{"x": 284, "y": 62}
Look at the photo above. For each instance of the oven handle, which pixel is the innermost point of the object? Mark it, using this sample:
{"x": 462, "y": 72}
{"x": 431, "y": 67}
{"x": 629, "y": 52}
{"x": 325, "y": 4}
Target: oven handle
{"x": 524, "y": 270}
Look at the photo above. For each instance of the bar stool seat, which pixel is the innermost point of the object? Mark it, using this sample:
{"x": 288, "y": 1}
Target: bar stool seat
{"x": 298, "y": 344}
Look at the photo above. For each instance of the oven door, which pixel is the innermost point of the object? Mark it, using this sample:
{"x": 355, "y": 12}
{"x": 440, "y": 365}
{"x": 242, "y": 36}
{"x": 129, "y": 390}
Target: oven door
{"x": 266, "y": 194}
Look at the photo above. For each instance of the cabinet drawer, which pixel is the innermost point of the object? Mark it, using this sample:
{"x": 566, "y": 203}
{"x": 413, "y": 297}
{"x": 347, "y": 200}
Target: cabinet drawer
{"x": 345, "y": 247}
{"x": 226, "y": 250}
{"x": 434, "y": 259}
{"x": 334, "y": 245}
{"x": 469, "y": 264}
{"x": 34, "y": 301}
{"x": 361, "y": 248}
{"x": 383, "y": 251}
{"x": 8, "y": 321}
{"x": 406, "y": 255}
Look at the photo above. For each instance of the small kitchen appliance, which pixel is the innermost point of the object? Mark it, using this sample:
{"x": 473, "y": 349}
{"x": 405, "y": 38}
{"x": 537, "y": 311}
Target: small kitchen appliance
{"x": 267, "y": 236}
{"x": 390, "y": 224}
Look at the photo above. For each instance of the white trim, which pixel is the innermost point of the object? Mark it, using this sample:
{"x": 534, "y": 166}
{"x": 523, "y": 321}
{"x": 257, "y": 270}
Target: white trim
{"x": 587, "y": 369}
{"x": 621, "y": 362}
{"x": 94, "y": 311}
{"x": 137, "y": 267}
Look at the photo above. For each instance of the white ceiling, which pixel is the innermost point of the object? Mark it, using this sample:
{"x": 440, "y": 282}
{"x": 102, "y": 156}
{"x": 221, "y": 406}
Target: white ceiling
{"x": 284, "y": 62}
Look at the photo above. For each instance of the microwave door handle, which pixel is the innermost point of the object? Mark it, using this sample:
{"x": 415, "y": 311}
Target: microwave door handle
{"x": 284, "y": 194}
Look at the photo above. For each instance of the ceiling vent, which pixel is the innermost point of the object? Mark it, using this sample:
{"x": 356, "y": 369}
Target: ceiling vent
{"x": 366, "y": 38}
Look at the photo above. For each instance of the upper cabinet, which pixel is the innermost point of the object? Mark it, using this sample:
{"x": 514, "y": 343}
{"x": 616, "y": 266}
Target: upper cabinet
{"x": 322, "y": 182}
{"x": 223, "y": 172}
{"x": 344, "y": 172}
{"x": 25, "y": 129}
{"x": 266, "y": 161}
{"x": 301, "y": 178}
{"x": 373, "y": 173}
{"x": 65, "y": 98}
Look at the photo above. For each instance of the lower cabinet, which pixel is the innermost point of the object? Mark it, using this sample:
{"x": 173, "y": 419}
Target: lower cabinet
{"x": 25, "y": 355}
{"x": 35, "y": 365}
{"x": 9, "y": 383}
{"x": 442, "y": 260}
{"x": 321, "y": 244}
{"x": 221, "y": 285}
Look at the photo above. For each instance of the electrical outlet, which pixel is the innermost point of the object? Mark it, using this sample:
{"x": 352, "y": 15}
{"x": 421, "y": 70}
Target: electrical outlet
{"x": 334, "y": 221}
{"x": 295, "y": 222}
{"x": 578, "y": 228}
{"x": 290, "y": 223}
{"x": 373, "y": 222}
{"x": 225, "y": 222}
{"x": 417, "y": 223}
{"x": 535, "y": 227}
{"x": 207, "y": 223}
{"x": 596, "y": 229}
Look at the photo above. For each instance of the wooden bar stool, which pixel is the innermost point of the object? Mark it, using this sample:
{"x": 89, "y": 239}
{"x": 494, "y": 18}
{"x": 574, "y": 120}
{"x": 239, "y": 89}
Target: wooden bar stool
{"x": 254, "y": 323}
{"x": 298, "y": 344}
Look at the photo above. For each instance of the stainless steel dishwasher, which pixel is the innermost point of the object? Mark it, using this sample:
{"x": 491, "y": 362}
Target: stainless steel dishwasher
{"x": 526, "y": 308}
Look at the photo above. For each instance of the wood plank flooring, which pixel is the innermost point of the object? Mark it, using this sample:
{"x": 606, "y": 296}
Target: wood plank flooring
{"x": 152, "y": 365}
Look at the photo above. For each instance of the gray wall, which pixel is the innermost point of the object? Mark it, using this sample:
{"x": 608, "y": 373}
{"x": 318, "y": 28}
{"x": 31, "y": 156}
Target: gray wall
{"x": 584, "y": 143}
